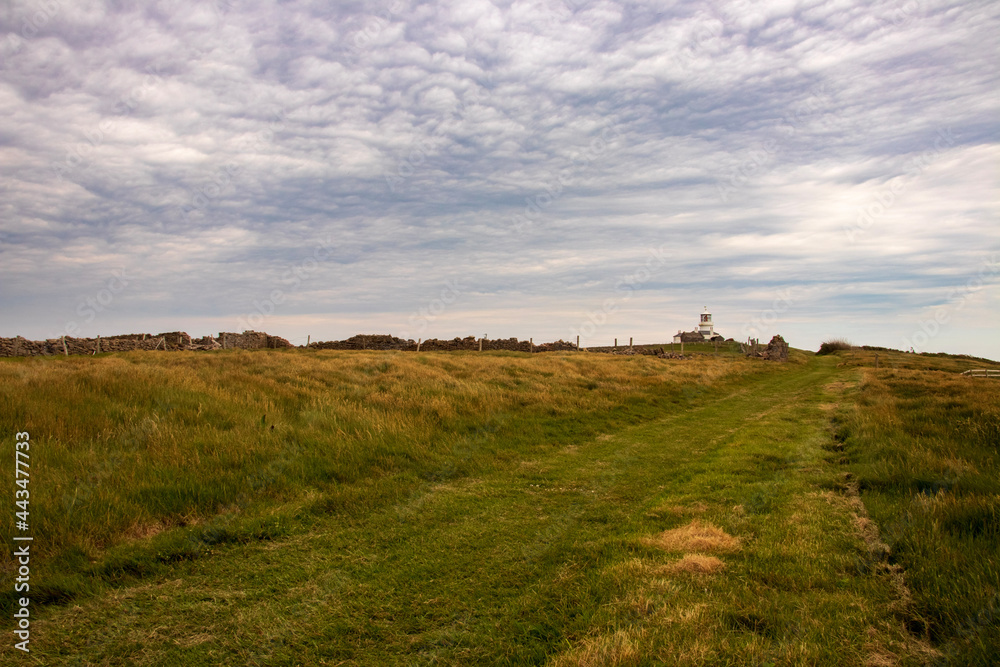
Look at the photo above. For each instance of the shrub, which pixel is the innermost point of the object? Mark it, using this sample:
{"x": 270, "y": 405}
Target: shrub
{"x": 833, "y": 345}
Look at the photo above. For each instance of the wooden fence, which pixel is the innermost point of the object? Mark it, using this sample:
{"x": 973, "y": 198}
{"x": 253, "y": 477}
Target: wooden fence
{"x": 983, "y": 373}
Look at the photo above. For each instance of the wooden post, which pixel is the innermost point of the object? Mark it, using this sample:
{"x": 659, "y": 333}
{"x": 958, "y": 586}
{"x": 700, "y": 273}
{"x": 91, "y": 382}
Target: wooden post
{"x": 308, "y": 339}
{"x": 531, "y": 345}
{"x": 65, "y": 349}
{"x": 578, "y": 343}
{"x": 629, "y": 343}
{"x": 480, "y": 344}
{"x": 616, "y": 343}
{"x": 418, "y": 344}
{"x": 98, "y": 344}
{"x": 682, "y": 347}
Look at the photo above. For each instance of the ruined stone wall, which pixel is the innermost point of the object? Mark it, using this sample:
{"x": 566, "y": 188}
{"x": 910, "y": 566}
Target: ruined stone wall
{"x": 776, "y": 350}
{"x": 170, "y": 341}
{"x": 256, "y": 340}
{"x": 21, "y": 347}
{"x": 469, "y": 343}
{"x": 365, "y": 342}
{"x": 250, "y": 340}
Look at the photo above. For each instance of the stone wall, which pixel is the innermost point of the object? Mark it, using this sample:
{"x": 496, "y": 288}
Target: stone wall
{"x": 21, "y": 347}
{"x": 365, "y": 342}
{"x": 250, "y": 340}
{"x": 257, "y": 340}
{"x": 469, "y": 343}
{"x": 171, "y": 341}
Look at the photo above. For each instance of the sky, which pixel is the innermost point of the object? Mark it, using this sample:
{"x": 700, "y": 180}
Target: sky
{"x": 505, "y": 169}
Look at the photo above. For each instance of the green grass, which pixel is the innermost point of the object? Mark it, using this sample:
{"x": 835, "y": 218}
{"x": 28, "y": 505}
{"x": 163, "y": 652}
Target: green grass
{"x": 724, "y": 349}
{"x": 923, "y": 444}
{"x": 370, "y": 508}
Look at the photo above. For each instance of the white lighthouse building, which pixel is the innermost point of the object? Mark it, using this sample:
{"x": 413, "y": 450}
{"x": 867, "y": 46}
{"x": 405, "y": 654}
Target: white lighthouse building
{"x": 705, "y": 326}
{"x": 705, "y": 330}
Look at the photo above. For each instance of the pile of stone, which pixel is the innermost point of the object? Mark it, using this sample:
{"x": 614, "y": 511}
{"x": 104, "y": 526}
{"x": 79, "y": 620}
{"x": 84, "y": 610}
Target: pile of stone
{"x": 776, "y": 350}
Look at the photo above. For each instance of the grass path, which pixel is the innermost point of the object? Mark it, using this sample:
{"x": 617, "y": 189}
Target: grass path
{"x": 566, "y": 558}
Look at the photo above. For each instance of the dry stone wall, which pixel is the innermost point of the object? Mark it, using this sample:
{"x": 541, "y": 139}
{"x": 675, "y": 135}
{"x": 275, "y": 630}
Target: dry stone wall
{"x": 257, "y": 340}
{"x": 469, "y": 343}
{"x": 170, "y": 341}
{"x": 365, "y": 342}
{"x": 250, "y": 340}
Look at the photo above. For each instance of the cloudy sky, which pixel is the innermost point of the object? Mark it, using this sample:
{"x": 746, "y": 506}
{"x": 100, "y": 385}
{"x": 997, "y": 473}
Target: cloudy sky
{"x": 531, "y": 169}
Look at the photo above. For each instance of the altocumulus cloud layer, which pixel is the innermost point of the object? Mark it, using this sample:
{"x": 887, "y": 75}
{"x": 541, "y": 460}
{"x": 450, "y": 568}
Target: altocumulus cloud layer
{"x": 511, "y": 168}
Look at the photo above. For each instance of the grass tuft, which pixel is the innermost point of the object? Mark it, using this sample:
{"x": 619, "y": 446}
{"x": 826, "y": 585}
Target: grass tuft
{"x": 834, "y": 345}
{"x": 696, "y": 536}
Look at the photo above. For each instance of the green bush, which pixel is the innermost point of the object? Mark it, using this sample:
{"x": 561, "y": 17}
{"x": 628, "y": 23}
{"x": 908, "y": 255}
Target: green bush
{"x": 833, "y": 345}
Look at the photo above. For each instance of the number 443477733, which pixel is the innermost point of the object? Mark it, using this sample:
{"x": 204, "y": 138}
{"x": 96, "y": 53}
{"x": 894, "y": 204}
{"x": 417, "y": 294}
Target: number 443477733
{"x": 21, "y": 478}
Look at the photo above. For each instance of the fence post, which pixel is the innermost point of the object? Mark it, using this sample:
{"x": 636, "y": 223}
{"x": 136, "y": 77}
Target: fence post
{"x": 682, "y": 347}
{"x": 65, "y": 349}
{"x": 531, "y": 345}
{"x": 308, "y": 340}
{"x": 418, "y": 344}
{"x": 578, "y": 343}
{"x": 98, "y": 344}
{"x": 480, "y": 344}
{"x": 629, "y": 343}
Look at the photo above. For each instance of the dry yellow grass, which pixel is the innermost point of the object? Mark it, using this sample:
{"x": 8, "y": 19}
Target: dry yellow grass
{"x": 696, "y": 536}
{"x": 695, "y": 564}
{"x": 620, "y": 648}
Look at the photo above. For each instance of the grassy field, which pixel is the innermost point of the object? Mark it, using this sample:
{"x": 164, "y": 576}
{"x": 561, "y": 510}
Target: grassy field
{"x": 923, "y": 445}
{"x": 373, "y": 508}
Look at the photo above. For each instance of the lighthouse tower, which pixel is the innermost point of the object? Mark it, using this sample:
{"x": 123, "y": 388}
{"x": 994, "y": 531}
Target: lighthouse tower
{"x": 705, "y": 326}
